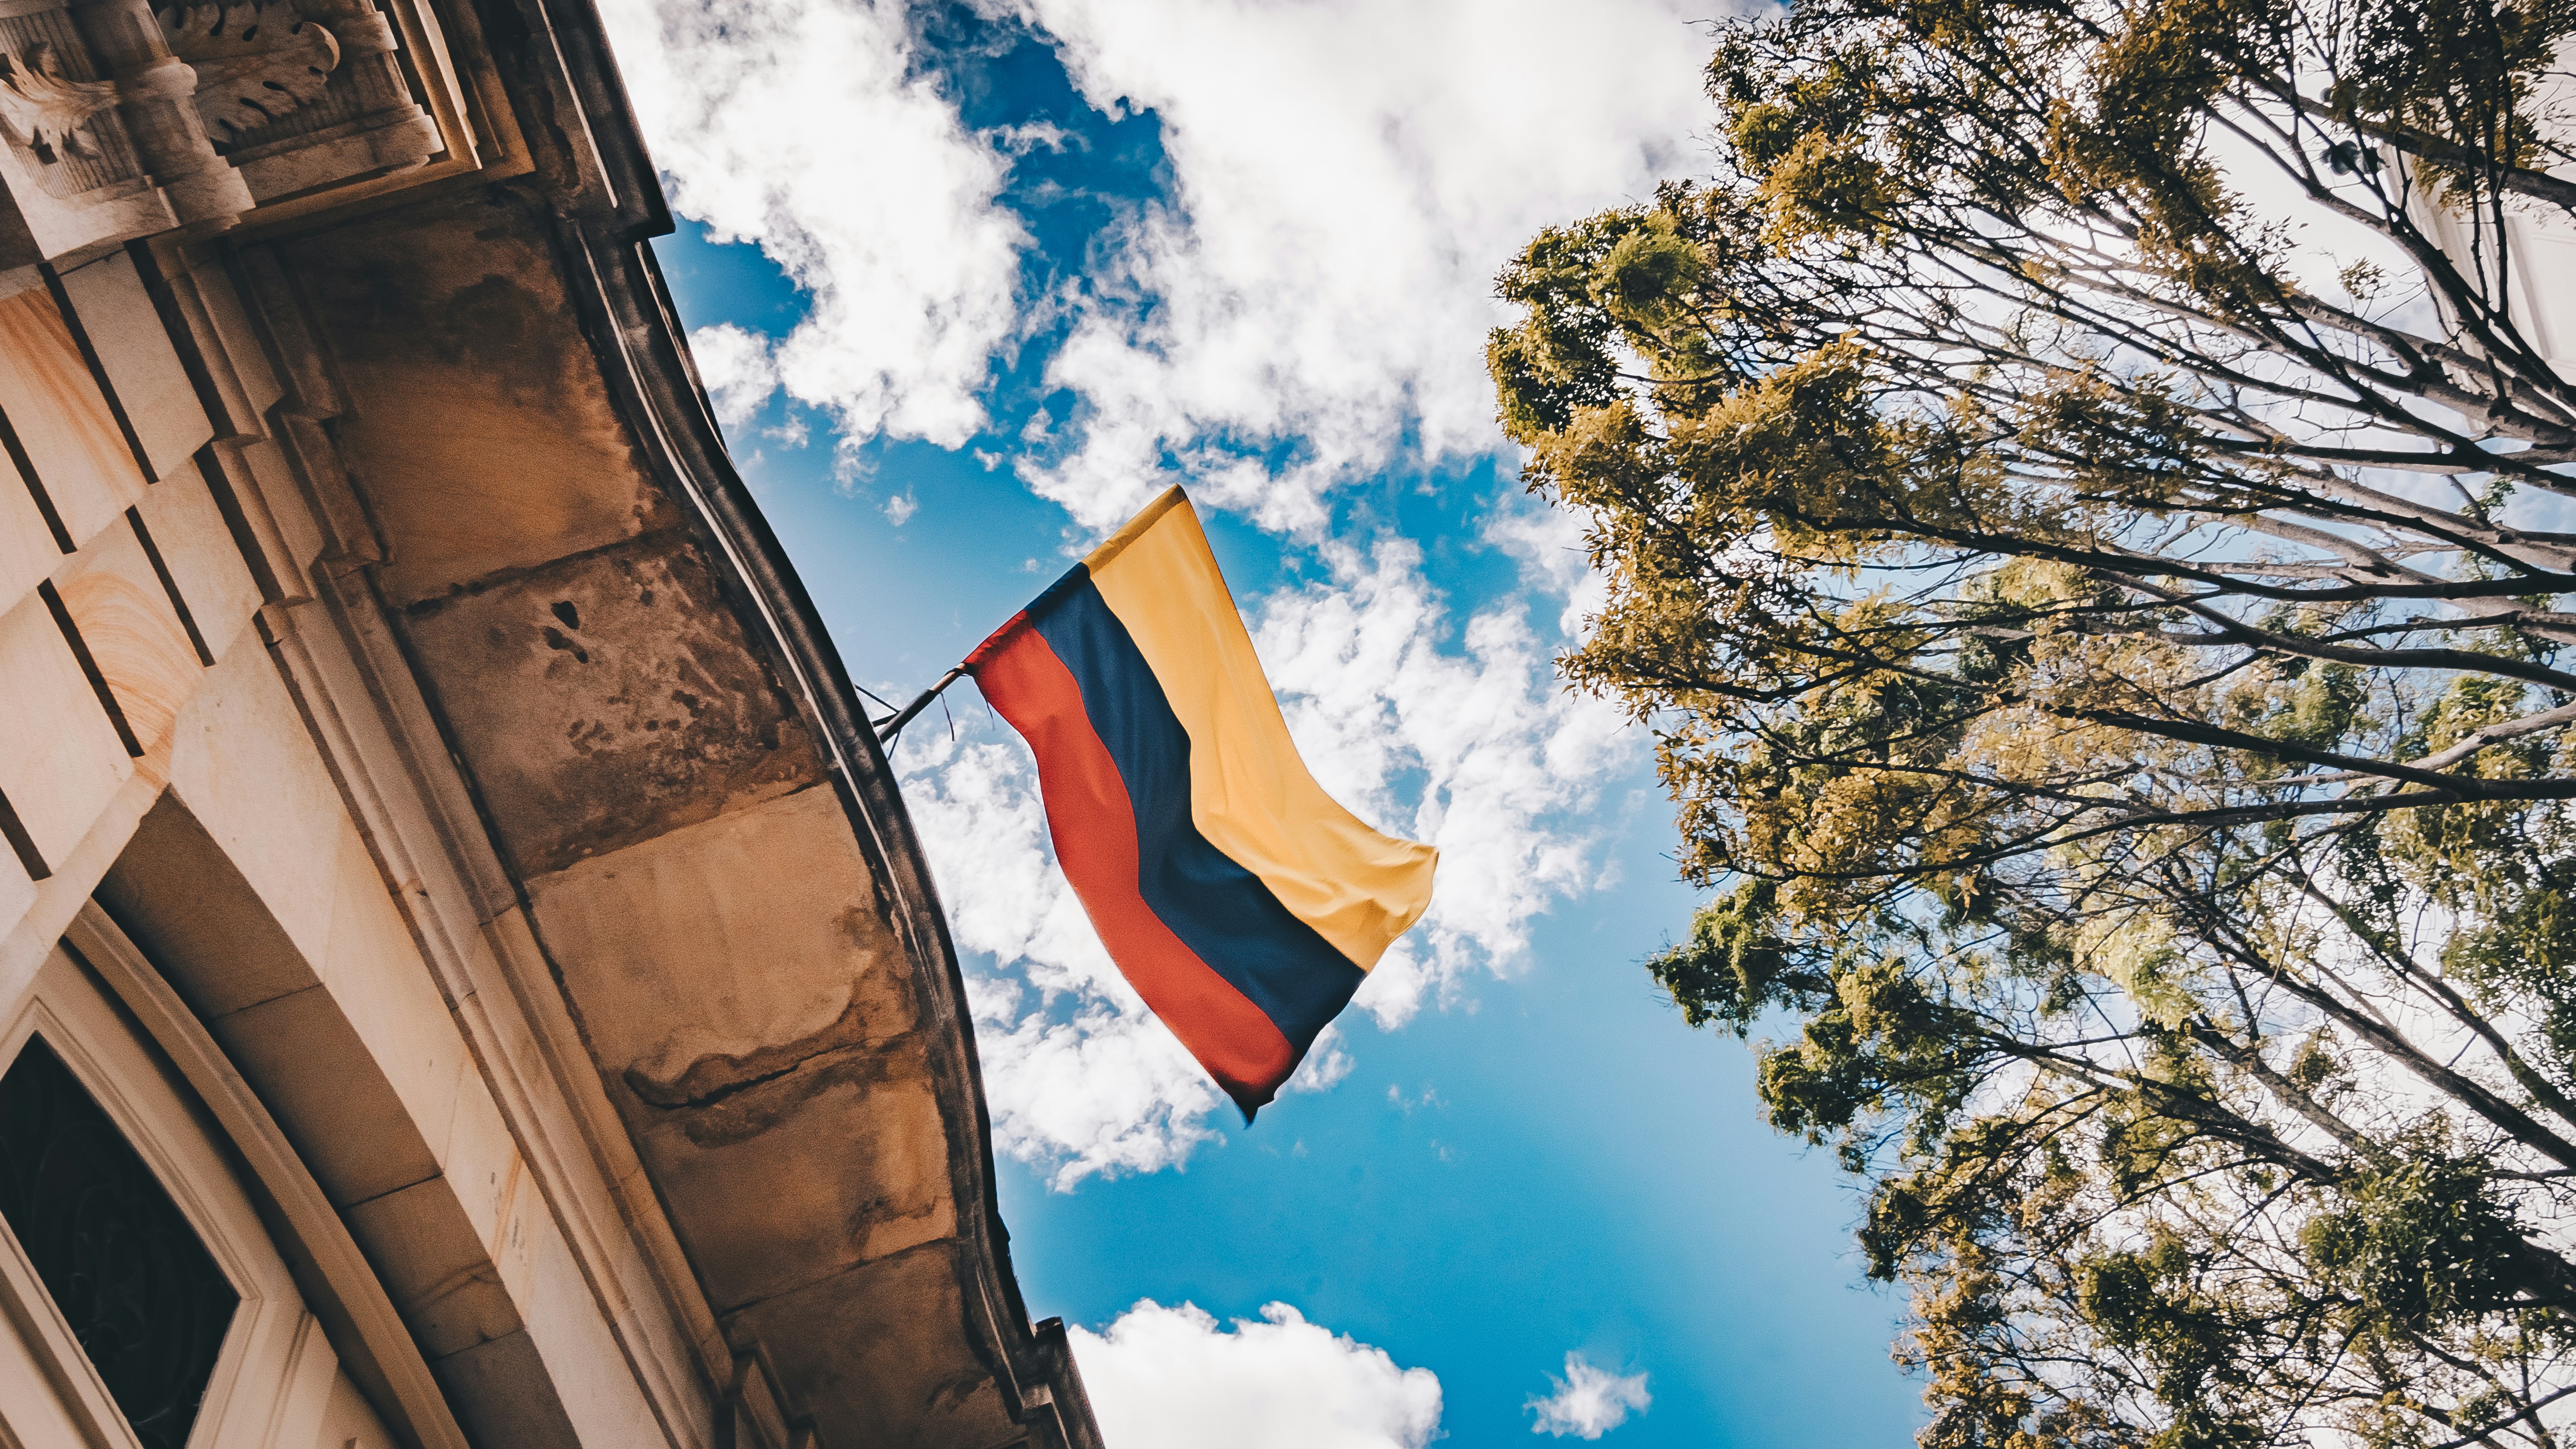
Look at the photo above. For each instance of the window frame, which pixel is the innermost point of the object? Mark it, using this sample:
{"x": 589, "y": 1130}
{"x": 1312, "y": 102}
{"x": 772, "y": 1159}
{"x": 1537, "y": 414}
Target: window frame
{"x": 272, "y": 1378}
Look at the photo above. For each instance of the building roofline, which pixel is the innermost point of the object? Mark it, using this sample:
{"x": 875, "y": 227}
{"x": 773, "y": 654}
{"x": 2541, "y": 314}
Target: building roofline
{"x": 612, "y": 213}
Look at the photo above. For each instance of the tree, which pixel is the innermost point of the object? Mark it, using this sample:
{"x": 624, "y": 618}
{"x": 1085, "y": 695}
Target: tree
{"x": 2078, "y": 503}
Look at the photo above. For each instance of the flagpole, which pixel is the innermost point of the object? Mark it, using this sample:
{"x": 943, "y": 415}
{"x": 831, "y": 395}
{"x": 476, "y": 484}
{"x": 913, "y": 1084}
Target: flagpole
{"x": 903, "y": 716}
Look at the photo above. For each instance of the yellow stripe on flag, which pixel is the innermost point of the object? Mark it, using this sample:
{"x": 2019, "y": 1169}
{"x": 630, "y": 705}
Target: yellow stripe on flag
{"x": 1250, "y": 793}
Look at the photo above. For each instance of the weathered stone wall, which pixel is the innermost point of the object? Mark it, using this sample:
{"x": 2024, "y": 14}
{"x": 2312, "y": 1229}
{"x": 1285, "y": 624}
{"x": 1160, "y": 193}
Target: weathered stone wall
{"x": 386, "y": 644}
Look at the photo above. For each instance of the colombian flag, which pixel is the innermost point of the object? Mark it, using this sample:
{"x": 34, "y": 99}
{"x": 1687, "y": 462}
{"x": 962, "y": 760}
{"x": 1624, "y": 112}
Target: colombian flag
{"x": 1242, "y": 903}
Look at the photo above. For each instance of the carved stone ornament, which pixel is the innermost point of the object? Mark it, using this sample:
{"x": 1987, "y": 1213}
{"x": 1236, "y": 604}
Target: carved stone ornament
{"x": 43, "y": 111}
{"x": 255, "y": 62}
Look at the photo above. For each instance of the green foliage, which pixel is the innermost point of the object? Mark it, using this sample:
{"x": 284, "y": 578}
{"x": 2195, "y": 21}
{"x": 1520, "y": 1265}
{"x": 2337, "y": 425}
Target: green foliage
{"x": 2422, "y": 1243}
{"x": 1733, "y": 969}
{"x": 2058, "y": 499}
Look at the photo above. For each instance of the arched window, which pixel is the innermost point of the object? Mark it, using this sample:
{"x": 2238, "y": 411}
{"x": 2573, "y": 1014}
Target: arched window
{"x": 142, "y": 1305}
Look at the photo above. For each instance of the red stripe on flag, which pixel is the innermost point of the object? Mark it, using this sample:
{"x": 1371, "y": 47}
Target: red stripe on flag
{"x": 1094, "y": 827}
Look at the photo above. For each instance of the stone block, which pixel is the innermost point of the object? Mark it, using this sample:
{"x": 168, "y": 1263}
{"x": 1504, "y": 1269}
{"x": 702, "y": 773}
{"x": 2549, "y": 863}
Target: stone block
{"x": 753, "y": 1009}
{"x": 607, "y": 699}
{"x": 132, "y": 630}
{"x": 374, "y": 971}
{"x": 261, "y": 470}
{"x": 881, "y": 1354}
{"x": 725, "y": 939}
{"x": 17, "y": 891}
{"x": 244, "y": 763}
{"x": 133, "y": 348}
{"x": 518, "y": 1232}
{"x": 455, "y": 318}
{"x": 317, "y": 1077}
{"x": 481, "y": 1161}
{"x": 60, "y": 758}
{"x": 434, "y": 1268}
{"x": 202, "y": 557}
{"x": 772, "y": 1186}
{"x": 182, "y": 899}
{"x": 28, "y": 551}
{"x": 504, "y": 1394}
{"x": 570, "y": 1325}
{"x": 240, "y": 347}
{"x": 61, "y": 419}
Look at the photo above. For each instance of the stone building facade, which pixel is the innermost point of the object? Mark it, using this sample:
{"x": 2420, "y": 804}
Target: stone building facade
{"x": 466, "y": 976}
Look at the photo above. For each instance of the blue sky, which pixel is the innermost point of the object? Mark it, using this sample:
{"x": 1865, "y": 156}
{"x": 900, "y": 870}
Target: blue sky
{"x": 972, "y": 282}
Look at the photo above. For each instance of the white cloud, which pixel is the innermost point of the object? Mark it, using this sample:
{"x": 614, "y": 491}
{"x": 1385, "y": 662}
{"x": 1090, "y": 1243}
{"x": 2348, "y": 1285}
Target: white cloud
{"x": 799, "y": 125}
{"x": 1588, "y": 1402}
{"x": 1170, "y": 1378}
{"x": 1347, "y": 176}
{"x": 1472, "y": 748}
{"x": 1107, "y": 1091}
{"x": 900, "y": 508}
{"x": 1409, "y": 1105}
{"x": 1549, "y": 543}
{"x": 737, "y": 368}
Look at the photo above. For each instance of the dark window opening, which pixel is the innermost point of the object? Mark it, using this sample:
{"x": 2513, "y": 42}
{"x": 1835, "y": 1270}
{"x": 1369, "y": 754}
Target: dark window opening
{"x": 142, "y": 1294}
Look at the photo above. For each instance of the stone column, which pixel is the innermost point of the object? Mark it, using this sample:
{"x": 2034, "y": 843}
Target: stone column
{"x": 156, "y": 92}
